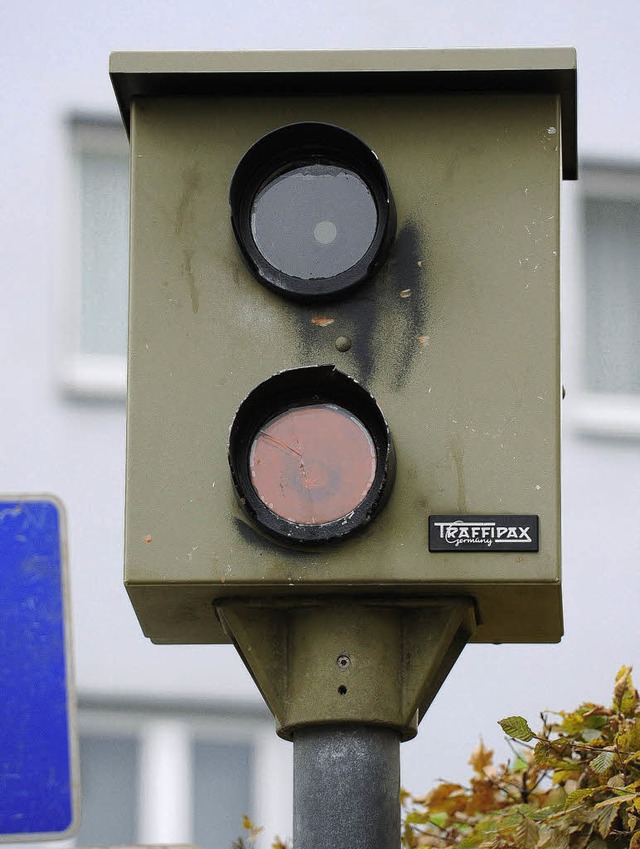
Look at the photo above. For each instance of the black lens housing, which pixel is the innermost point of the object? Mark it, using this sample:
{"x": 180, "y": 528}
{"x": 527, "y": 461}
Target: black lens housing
{"x": 294, "y": 146}
{"x": 299, "y": 387}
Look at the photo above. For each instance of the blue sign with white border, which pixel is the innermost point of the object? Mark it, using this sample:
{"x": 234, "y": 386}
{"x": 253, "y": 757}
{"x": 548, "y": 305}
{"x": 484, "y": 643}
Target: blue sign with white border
{"x": 38, "y": 748}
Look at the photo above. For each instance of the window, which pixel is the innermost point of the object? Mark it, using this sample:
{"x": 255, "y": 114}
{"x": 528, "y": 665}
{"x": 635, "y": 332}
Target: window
{"x": 609, "y": 334}
{"x": 221, "y": 791}
{"x": 182, "y": 774}
{"x": 93, "y": 348}
{"x": 109, "y": 765}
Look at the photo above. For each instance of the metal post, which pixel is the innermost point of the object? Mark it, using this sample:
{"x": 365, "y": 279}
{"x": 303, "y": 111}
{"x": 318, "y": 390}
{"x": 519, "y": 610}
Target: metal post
{"x": 346, "y": 787}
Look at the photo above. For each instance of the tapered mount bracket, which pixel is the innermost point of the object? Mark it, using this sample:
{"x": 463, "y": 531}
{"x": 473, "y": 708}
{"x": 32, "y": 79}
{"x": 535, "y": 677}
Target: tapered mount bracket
{"x": 326, "y": 661}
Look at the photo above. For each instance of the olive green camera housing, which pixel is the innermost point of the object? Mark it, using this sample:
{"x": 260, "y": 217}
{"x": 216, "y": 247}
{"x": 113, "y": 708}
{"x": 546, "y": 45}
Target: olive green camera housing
{"x": 456, "y": 336}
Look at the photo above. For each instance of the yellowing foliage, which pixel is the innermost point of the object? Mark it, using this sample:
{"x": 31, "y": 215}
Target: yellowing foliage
{"x": 574, "y": 785}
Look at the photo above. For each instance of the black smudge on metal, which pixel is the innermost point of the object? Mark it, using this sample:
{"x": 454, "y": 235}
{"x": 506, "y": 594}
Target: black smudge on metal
{"x": 385, "y": 318}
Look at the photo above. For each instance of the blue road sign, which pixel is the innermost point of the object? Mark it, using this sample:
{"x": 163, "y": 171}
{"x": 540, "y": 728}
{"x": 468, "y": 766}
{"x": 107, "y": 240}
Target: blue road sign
{"x": 38, "y": 776}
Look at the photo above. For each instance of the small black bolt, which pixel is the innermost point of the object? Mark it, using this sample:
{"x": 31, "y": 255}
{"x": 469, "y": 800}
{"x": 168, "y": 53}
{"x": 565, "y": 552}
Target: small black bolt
{"x": 342, "y": 690}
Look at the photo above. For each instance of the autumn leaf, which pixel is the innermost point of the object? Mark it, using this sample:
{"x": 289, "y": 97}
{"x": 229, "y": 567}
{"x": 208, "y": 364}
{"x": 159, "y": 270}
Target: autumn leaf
{"x": 483, "y": 798}
{"x": 625, "y": 697}
{"x": 418, "y": 817}
{"x": 553, "y": 838}
{"x": 606, "y": 816}
{"x": 481, "y": 758}
{"x": 448, "y": 798}
{"x": 527, "y": 834}
{"x": 591, "y": 757}
{"x": 597, "y": 842}
{"x": 248, "y": 825}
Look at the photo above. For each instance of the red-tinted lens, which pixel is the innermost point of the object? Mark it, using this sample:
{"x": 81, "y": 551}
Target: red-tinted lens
{"x": 313, "y": 464}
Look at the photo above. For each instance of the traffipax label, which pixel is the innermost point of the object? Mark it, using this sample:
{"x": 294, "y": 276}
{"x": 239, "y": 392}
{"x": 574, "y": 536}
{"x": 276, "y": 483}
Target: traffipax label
{"x": 483, "y": 533}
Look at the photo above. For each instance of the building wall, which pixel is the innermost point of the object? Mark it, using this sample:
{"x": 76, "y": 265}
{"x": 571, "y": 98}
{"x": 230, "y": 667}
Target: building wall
{"x": 54, "y": 60}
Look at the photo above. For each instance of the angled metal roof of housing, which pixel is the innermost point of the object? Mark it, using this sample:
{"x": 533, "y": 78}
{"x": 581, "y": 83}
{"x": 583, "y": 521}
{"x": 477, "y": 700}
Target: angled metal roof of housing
{"x": 530, "y": 70}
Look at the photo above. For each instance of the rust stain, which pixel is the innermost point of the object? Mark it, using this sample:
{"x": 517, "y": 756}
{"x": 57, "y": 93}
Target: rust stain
{"x": 185, "y": 218}
{"x": 322, "y": 321}
{"x": 147, "y": 539}
{"x": 423, "y": 340}
{"x": 191, "y": 280}
{"x": 457, "y": 455}
{"x": 191, "y": 182}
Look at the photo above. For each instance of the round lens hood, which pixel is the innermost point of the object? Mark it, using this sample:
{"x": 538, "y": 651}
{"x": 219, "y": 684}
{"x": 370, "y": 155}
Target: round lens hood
{"x": 312, "y": 210}
{"x": 311, "y": 456}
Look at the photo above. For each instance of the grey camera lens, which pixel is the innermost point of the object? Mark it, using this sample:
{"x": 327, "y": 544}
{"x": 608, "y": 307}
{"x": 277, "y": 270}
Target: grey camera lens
{"x": 314, "y": 221}
{"x": 312, "y": 211}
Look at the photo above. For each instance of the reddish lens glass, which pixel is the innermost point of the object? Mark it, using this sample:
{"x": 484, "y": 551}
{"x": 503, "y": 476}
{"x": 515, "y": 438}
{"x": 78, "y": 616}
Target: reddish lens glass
{"x": 313, "y": 464}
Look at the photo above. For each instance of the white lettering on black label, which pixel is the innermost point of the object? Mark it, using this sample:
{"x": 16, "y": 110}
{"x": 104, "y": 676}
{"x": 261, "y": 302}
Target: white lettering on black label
{"x": 483, "y": 533}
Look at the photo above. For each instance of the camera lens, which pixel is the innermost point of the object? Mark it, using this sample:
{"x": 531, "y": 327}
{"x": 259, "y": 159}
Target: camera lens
{"x": 314, "y": 221}
{"x": 312, "y": 210}
{"x": 311, "y": 456}
{"x": 313, "y": 464}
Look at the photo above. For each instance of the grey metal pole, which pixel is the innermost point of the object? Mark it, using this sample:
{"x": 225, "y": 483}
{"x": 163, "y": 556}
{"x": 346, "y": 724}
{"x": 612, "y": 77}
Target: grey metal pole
{"x": 346, "y": 787}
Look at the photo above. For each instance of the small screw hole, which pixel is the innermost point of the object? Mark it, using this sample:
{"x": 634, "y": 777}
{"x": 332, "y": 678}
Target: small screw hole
{"x": 342, "y": 690}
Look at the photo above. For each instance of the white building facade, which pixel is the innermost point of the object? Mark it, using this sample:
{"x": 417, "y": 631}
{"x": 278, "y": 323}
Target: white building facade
{"x": 175, "y": 742}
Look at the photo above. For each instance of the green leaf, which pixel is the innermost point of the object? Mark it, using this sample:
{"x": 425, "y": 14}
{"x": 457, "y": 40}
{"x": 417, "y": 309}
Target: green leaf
{"x": 578, "y": 795}
{"x": 545, "y": 755}
{"x": 566, "y": 769}
{"x": 517, "y": 727}
{"x": 602, "y": 762}
{"x": 519, "y": 765}
{"x": 471, "y": 841}
{"x": 628, "y": 738}
{"x": 572, "y": 723}
{"x": 589, "y": 735}
{"x": 596, "y": 721}
{"x": 418, "y": 818}
{"x": 617, "y": 800}
{"x": 629, "y": 701}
